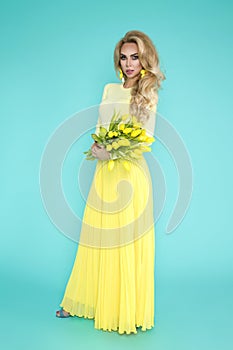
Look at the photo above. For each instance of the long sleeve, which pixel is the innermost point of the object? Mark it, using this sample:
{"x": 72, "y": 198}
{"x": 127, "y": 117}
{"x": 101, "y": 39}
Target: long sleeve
{"x": 104, "y": 97}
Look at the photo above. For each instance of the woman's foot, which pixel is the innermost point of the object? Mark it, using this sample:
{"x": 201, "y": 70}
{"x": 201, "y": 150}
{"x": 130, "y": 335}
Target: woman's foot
{"x": 62, "y": 313}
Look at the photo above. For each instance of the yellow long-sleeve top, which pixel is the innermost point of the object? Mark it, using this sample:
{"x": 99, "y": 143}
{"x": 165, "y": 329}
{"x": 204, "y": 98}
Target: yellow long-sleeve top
{"x": 117, "y": 98}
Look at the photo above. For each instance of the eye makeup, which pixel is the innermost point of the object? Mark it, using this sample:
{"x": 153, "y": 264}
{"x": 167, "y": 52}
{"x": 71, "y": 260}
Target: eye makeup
{"x": 134, "y": 56}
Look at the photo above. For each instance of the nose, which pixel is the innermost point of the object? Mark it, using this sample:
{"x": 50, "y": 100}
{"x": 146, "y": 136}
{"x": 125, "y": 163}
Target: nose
{"x": 128, "y": 62}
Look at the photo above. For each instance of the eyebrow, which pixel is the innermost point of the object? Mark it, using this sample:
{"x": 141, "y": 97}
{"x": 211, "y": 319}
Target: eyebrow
{"x": 130, "y": 55}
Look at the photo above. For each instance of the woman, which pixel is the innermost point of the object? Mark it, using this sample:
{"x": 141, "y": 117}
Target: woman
{"x": 112, "y": 280}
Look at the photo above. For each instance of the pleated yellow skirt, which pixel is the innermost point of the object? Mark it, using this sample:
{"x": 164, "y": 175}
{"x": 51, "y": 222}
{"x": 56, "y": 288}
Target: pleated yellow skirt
{"x": 112, "y": 280}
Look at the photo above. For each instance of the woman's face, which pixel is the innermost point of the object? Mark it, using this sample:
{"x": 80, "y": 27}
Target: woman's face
{"x": 129, "y": 60}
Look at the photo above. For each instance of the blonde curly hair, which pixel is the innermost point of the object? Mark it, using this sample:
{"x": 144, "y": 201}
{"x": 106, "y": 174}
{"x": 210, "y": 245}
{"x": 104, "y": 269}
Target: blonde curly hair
{"x": 144, "y": 94}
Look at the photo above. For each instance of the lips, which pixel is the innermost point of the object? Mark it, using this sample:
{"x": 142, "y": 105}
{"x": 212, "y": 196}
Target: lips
{"x": 129, "y": 71}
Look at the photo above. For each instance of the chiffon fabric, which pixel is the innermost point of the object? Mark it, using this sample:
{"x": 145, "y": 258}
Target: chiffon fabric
{"x": 112, "y": 279}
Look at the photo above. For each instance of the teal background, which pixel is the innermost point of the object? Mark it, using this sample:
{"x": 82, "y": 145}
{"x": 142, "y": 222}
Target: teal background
{"x": 56, "y": 57}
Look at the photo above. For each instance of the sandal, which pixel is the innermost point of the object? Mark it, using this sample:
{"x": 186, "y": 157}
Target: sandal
{"x": 62, "y": 315}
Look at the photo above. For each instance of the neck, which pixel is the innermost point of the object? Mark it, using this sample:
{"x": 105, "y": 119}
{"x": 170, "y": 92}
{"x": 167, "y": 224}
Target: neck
{"x": 130, "y": 82}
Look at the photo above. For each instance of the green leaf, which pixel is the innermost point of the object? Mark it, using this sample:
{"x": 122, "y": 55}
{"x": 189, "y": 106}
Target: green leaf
{"x": 96, "y": 138}
{"x": 103, "y": 131}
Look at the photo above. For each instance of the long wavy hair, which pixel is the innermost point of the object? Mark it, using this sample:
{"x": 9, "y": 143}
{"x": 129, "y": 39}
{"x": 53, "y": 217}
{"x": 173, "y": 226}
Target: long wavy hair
{"x": 144, "y": 94}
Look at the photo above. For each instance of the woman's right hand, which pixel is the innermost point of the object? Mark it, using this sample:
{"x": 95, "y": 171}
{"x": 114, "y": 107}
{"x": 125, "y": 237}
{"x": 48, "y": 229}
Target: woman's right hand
{"x": 100, "y": 152}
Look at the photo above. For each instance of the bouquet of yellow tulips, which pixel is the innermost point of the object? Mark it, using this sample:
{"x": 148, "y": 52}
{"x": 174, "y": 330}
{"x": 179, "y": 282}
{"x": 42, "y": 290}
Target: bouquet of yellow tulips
{"x": 124, "y": 139}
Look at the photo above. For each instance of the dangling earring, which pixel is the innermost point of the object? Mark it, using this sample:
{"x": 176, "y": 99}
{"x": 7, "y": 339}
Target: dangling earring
{"x": 121, "y": 76}
{"x": 143, "y": 72}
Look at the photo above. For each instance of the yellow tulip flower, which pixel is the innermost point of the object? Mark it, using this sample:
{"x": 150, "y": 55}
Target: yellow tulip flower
{"x": 124, "y": 142}
{"x": 109, "y": 148}
{"x": 137, "y": 125}
{"x": 143, "y": 132}
{"x": 135, "y": 133}
{"x": 142, "y": 138}
{"x": 115, "y": 145}
{"x": 150, "y": 139}
{"x": 110, "y": 134}
{"x": 127, "y": 130}
{"x": 121, "y": 127}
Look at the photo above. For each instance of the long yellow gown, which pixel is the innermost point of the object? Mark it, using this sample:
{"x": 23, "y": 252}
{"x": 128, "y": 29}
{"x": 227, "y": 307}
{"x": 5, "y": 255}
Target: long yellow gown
{"x": 112, "y": 280}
